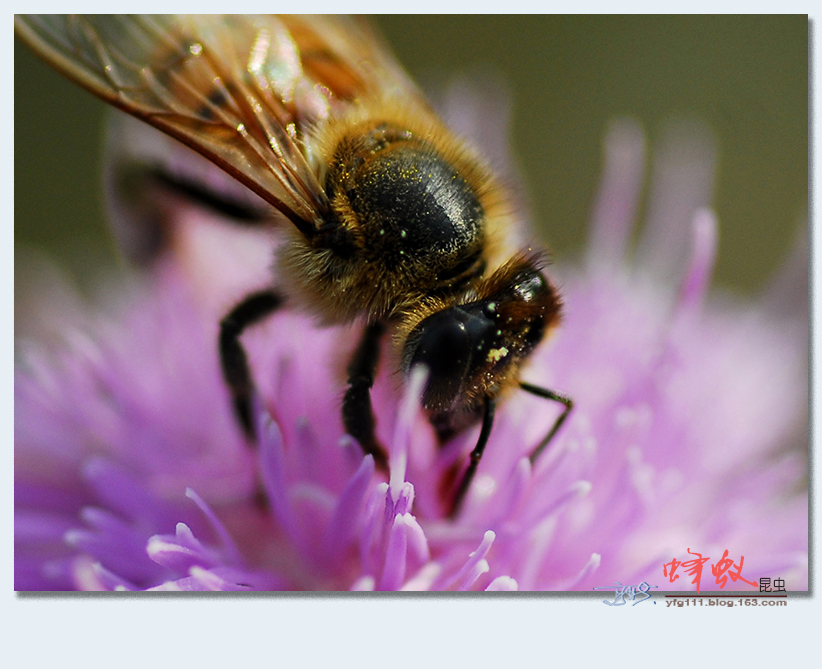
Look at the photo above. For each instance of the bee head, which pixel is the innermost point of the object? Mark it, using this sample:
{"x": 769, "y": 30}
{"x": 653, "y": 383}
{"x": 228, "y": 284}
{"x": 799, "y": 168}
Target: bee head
{"x": 473, "y": 350}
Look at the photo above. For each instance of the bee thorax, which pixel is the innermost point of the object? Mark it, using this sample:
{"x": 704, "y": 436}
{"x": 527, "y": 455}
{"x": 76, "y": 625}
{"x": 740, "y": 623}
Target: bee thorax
{"x": 403, "y": 223}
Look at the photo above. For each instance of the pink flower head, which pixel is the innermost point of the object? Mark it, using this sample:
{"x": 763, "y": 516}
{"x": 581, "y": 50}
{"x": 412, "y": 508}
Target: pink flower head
{"x": 689, "y": 432}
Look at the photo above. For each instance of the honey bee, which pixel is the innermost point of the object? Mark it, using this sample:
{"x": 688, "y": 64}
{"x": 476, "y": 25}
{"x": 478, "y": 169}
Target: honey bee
{"x": 395, "y": 222}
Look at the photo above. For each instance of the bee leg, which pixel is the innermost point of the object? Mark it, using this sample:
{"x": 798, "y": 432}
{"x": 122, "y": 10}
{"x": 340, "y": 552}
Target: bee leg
{"x": 556, "y": 397}
{"x": 233, "y": 359}
{"x": 357, "y": 412}
{"x": 475, "y": 457}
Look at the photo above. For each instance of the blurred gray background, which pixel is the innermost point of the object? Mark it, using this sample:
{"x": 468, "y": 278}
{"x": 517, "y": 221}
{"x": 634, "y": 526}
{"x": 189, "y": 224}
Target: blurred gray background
{"x": 746, "y": 77}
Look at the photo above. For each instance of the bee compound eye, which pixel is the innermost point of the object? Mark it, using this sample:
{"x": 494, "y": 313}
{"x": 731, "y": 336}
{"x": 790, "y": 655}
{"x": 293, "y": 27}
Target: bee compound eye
{"x": 443, "y": 345}
{"x": 449, "y": 343}
{"x": 529, "y": 286}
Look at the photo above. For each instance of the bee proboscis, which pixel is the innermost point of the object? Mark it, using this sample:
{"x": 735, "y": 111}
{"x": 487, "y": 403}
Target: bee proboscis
{"x": 395, "y": 221}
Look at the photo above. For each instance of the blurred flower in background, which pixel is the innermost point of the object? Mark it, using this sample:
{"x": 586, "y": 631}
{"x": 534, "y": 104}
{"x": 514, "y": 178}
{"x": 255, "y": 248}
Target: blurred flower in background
{"x": 689, "y": 432}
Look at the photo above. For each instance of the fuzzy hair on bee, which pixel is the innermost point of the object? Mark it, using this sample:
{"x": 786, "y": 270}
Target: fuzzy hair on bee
{"x": 384, "y": 170}
{"x": 392, "y": 221}
{"x": 480, "y": 344}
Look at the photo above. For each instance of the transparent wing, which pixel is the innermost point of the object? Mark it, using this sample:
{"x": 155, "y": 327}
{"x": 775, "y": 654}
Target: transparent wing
{"x": 243, "y": 91}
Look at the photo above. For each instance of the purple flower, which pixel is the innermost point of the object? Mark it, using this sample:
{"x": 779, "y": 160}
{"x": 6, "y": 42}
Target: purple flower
{"x": 689, "y": 432}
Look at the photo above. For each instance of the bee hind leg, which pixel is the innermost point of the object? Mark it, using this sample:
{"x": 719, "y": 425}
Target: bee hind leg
{"x": 233, "y": 358}
{"x": 357, "y": 411}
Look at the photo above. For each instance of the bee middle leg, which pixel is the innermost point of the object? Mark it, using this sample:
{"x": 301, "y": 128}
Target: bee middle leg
{"x": 233, "y": 358}
{"x": 357, "y": 411}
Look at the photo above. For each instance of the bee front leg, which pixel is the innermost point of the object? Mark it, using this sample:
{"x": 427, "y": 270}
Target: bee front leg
{"x": 485, "y": 431}
{"x": 357, "y": 411}
{"x": 233, "y": 359}
{"x": 556, "y": 397}
{"x": 475, "y": 457}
